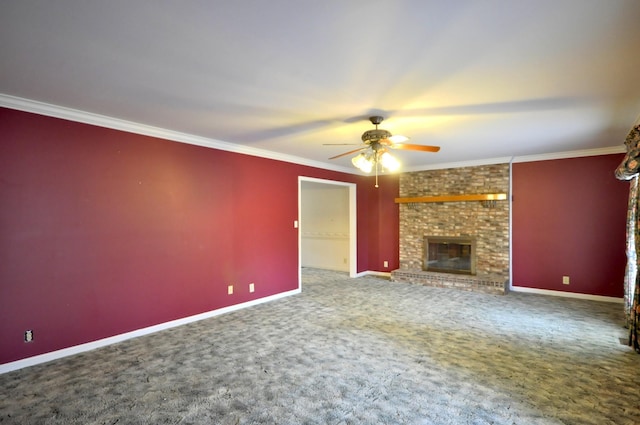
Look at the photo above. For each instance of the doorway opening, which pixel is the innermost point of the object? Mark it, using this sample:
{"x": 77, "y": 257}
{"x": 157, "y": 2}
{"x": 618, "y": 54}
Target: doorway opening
{"x": 327, "y": 237}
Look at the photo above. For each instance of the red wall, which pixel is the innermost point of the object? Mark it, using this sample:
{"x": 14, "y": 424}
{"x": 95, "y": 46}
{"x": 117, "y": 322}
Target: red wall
{"x": 569, "y": 220}
{"x": 387, "y": 243}
{"x": 104, "y": 232}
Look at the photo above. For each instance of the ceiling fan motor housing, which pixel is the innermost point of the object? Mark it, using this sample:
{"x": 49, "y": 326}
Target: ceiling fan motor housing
{"x": 375, "y": 135}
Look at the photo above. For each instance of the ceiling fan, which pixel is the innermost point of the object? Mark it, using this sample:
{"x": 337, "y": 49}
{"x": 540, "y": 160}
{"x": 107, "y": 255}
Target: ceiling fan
{"x": 375, "y": 152}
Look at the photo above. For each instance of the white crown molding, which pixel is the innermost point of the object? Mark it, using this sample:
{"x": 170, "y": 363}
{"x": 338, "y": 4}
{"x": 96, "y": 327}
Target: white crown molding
{"x": 461, "y": 164}
{"x": 571, "y": 154}
{"x": 41, "y": 108}
{"x": 28, "y": 105}
{"x": 526, "y": 158}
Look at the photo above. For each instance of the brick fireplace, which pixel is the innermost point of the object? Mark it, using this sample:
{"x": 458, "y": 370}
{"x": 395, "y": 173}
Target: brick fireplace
{"x": 486, "y": 223}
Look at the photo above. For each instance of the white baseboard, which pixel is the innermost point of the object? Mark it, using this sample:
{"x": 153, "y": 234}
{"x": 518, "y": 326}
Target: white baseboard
{"x": 77, "y": 349}
{"x": 566, "y": 294}
{"x": 373, "y": 273}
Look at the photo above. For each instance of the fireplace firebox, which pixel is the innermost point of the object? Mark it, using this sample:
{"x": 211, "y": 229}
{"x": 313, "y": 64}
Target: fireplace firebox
{"x": 456, "y": 254}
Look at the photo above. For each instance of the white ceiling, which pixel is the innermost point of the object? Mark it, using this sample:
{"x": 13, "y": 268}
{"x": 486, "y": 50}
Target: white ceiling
{"x": 483, "y": 79}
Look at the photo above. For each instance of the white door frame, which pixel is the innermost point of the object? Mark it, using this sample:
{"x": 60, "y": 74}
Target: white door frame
{"x": 353, "y": 236}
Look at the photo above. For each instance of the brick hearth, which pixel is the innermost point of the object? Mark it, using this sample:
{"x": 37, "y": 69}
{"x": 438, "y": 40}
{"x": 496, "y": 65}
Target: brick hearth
{"x": 448, "y": 280}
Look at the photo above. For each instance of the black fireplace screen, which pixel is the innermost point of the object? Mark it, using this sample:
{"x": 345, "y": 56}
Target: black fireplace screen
{"x": 450, "y": 254}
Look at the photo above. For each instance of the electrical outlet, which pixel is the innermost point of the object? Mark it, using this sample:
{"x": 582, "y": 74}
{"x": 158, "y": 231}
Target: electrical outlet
{"x": 252, "y": 287}
{"x": 230, "y": 289}
{"x": 28, "y": 335}
{"x": 565, "y": 280}
{"x": 386, "y": 264}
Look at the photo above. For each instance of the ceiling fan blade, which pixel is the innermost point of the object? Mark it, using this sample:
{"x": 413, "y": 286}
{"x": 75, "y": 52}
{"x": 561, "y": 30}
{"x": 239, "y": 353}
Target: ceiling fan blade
{"x": 411, "y": 147}
{"x": 398, "y": 138}
{"x": 349, "y": 153}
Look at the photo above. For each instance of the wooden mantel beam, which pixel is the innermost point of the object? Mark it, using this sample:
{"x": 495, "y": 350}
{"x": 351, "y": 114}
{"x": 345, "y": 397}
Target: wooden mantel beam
{"x": 454, "y": 198}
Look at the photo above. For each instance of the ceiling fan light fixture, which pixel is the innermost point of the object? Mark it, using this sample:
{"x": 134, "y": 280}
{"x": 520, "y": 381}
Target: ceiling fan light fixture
{"x": 362, "y": 163}
{"x": 389, "y": 162}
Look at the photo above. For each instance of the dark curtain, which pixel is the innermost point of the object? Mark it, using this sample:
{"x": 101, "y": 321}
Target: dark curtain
{"x": 628, "y": 170}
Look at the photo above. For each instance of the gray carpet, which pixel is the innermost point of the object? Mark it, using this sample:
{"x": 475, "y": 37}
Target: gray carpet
{"x": 352, "y": 351}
